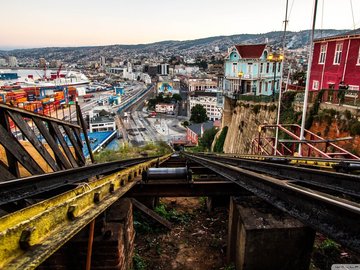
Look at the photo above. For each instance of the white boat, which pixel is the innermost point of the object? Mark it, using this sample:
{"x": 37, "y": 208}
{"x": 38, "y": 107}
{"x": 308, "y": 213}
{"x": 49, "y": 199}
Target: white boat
{"x": 72, "y": 78}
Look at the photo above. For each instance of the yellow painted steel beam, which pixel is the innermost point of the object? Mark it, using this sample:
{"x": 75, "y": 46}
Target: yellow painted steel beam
{"x": 29, "y": 236}
{"x": 314, "y": 162}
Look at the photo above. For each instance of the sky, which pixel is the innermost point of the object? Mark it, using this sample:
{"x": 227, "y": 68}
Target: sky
{"x": 45, "y": 23}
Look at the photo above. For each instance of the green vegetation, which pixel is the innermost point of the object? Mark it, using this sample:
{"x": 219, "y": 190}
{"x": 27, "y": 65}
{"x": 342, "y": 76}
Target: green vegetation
{"x": 288, "y": 114}
{"x": 314, "y": 110}
{"x": 198, "y": 114}
{"x": 186, "y": 123}
{"x": 230, "y": 267}
{"x": 126, "y": 152}
{"x": 355, "y": 129}
{"x": 207, "y": 139}
{"x": 172, "y": 215}
{"x": 163, "y": 99}
{"x": 219, "y": 144}
{"x": 139, "y": 262}
{"x": 256, "y": 108}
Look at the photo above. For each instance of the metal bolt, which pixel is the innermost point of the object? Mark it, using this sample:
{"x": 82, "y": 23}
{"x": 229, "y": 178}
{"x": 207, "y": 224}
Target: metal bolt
{"x": 71, "y": 212}
{"x": 25, "y": 238}
{"x": 112, "y": 187}
{"x": 97, "y": 197}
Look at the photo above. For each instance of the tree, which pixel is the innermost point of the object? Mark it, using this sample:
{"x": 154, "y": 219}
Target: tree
{"x": 208, "y": 137}
{"x": 198, "y": 114}
{"x": 176, "y": 97}
{"x": 300, "y": 77}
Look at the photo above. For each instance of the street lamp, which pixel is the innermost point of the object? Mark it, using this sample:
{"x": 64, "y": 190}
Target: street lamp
{"x": 276, "y": 57}
{"x": 240, "y": 74}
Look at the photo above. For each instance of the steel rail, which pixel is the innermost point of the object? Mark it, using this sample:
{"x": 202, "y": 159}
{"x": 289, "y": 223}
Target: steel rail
{"x": 14, "y": 190}
{"x": 339, "y": 182}
{"x": 30, "y": 235}
{"x": 337, "y": 218}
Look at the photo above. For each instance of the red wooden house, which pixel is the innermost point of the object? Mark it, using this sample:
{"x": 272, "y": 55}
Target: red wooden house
{"x": 336, "y": 61}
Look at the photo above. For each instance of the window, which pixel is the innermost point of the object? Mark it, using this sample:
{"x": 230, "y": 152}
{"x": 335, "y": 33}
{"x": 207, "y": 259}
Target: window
{"x": 279, "y": 66}
{"x": 267, "y": 67}
{"x": 353, "y": 87}
{"x": 249, "y": 68}
{"x": 260, "y": 86}
{"x": 358, "y": 60}
{"x": 261, "y": 67}
{"x": 322, "y": 55}
{"x": 274, "y": 67}
{"x": 338, "y": 51}
{"x": 315, "y": 85}
{"x": 266, "y": 86}
{"x": 234, "y": 68}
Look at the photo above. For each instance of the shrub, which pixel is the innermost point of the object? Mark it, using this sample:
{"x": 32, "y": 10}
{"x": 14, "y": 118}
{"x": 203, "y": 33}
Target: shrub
{"x": 256, "y": 109}
{"x": 355, "y": 128}
{"x": 219, "y": 144}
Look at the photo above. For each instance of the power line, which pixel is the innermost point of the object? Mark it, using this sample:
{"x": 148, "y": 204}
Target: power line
{"x": 352, "y": 13}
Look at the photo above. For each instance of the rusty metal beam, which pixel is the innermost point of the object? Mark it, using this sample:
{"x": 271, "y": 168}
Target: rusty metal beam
{"x": 183, "y": 189}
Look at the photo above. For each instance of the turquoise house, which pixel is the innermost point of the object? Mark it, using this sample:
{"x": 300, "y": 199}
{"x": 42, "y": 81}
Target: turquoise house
{"x": 249, "y": 71}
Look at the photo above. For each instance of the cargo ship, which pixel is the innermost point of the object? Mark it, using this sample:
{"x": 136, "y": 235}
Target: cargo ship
{"x": 31, "y": 78}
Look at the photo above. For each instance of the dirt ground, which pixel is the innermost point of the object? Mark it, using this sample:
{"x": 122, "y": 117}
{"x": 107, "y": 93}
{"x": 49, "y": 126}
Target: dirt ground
{"x": 197, "y": 240}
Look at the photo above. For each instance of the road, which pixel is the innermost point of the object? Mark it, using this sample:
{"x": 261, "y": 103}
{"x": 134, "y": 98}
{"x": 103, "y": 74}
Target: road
{"x": 141, "y": 129}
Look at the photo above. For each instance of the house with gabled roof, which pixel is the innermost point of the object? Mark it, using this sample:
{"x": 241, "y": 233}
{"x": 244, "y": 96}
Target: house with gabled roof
{"x": 249, "y": 72}
{"x": 336, "y": 62}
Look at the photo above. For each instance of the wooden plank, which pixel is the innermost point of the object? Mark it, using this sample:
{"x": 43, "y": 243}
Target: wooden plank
{"x": 29, "y": 114}
{"x": 63, "y": 144}
{"x": 19, "y": 152}
{"x": 78, "y": 151}
{"x": 4, "y": 172}
{"x": 60, "y": 158}
{"x": 78, "y": 137}
{"x": 30, "y": 135}
{"x": 83, "y": 126}
{"x": 152, "y": 214}
{"x": 12, "y": 162}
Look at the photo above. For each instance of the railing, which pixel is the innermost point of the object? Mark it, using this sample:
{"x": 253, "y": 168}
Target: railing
{"x": 336, "y": 96}
{"x": 21, "y": 158}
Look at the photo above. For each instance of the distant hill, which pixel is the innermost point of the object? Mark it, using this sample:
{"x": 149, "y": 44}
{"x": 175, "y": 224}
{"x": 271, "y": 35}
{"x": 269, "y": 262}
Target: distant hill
{"x": 294, "y": 40}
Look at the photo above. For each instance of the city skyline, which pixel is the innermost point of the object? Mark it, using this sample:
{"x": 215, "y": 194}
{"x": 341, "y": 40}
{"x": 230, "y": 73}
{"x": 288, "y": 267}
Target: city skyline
{"x": 91, "y": 23}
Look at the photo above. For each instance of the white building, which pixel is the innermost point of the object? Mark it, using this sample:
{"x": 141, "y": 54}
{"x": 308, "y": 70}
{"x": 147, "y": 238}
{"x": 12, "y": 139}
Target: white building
{"x": 12, "y": 61}
{"x": 145, "y": 78}
{"x": 2, "y": 62}
{"x": 102, "y": 61}
{"x": 202, "y": 84}
{"x": 165, "y": 108}
{"x": 101, "y": 120}
{"x": 209, "y": 101}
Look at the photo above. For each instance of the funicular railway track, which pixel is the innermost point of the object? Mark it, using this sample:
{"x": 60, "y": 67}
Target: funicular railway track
{"x": 326, "y": 201}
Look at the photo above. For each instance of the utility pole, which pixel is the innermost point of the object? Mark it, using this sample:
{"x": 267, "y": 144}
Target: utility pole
{"x": 281, "y": 80}
{"x": 307, "y": 85}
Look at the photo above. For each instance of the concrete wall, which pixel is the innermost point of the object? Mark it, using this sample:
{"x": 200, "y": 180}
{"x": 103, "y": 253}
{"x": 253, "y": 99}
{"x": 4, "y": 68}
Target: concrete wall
{"x": 243, "y": 124}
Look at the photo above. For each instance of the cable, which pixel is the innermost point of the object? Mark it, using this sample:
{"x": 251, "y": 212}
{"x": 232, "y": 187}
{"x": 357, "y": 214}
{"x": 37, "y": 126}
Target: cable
{"x": 352, "y": 13}
{"x": 322, "y": 18}
{"x": 291, "y": 7}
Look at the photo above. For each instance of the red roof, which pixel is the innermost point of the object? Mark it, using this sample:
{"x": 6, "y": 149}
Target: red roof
{"x": 251, "y": 51}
